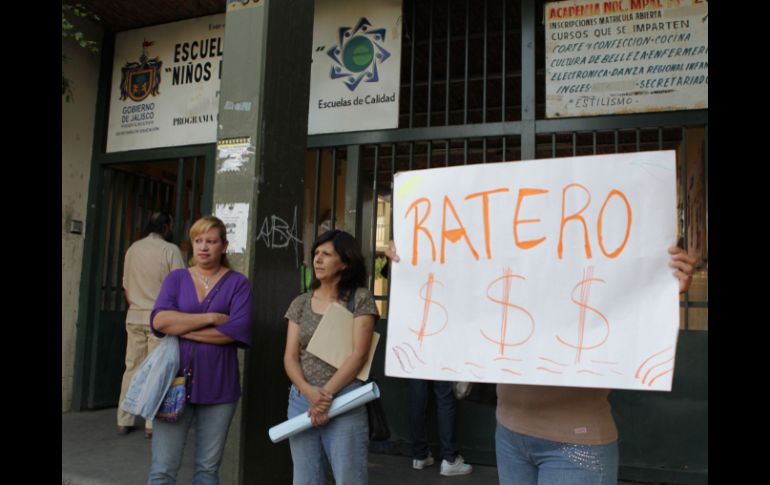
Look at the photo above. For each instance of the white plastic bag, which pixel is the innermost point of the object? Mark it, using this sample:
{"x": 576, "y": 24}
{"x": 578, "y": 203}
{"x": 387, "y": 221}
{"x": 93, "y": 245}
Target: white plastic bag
{"x": 152, "y": 380}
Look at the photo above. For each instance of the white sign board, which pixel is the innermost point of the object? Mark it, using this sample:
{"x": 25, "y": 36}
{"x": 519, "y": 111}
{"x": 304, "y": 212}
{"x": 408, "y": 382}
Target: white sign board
{"x": 165, "y": 85}
{"x": 236, "y": 219}
{"x": 625, "y": 56}
{"x": 548, "y": 272}
{"x": 355, "y": 75}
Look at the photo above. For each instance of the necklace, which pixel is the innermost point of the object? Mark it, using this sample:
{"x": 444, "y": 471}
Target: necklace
{"x": 204, "y": 279}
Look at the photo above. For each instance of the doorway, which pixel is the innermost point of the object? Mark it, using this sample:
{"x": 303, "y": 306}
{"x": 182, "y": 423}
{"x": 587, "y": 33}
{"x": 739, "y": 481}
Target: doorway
{"x": 130, "y": 193}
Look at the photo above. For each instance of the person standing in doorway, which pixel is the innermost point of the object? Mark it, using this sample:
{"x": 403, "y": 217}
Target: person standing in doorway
{"x": 147, "y": 263}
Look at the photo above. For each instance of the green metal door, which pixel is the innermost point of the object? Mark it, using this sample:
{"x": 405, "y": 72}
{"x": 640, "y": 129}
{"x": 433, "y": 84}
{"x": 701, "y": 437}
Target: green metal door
{"x": 130, "y": 193}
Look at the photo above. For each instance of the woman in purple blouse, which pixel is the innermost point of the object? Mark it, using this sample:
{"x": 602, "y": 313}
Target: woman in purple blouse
{"x": 208, "y": 306}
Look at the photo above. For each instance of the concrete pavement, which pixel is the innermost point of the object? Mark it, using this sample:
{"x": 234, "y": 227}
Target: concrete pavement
{"x": 94, "y": 454}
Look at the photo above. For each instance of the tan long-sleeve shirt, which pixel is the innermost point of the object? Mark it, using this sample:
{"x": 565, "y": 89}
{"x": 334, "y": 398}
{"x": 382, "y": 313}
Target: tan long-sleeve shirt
{"x": 147, "y": 263}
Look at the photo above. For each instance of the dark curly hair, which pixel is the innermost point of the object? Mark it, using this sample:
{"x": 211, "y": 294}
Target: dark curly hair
{"x": 354, "y": 274}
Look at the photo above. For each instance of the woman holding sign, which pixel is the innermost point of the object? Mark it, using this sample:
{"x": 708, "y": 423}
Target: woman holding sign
{"x": 549, "y": 435}
{"x": 339, "y": 276}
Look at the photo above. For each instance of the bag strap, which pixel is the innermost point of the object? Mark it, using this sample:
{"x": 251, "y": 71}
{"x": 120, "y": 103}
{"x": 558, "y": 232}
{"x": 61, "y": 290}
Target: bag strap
{"x": 351, "y": 308}
{"x": 216, "y": 289}
{"x": 352, "y": 301}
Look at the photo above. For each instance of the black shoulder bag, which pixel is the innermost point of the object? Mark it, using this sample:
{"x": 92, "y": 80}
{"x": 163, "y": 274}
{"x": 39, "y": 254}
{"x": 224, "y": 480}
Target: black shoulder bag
{"x": 378, "y": 425}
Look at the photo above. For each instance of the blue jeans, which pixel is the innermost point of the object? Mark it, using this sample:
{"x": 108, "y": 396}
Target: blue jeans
{"x": 526, "y": 460}
{"x": 446, "y": 411}
{"x": 344, "y": 441}
{"x": 212, "y": 421}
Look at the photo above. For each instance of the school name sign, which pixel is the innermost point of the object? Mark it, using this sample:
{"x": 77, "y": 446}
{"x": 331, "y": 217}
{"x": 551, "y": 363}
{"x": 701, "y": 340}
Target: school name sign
{"x": 549, "y": 272}
{"x": 625, "y": 56}
{"x": 165, "y": 85}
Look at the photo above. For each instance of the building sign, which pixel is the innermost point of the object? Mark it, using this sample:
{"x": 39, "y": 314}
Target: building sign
{"x": 165, "y": 85}
{"x": 355, "y": 75}
{"x": 625, "y": 56}
{"x": 549, "y": 272}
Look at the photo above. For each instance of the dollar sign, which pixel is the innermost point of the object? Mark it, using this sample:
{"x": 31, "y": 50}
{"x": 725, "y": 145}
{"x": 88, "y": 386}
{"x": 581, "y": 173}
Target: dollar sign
{"x": 585, "y": 291}
{"x": 505, "y": 302}
{"x": 428, "y": 289}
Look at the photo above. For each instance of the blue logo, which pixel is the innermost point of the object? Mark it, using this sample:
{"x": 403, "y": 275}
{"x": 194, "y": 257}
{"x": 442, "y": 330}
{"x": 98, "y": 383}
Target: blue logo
{"x": 358, "y": 54}
{"x": 140, "y": 79}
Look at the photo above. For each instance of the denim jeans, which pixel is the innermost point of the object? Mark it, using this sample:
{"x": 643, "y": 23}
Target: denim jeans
{"x": 344, "y": 440}
{"x": 446, "y": 411}
{"x": 526, "y": 460}
{"x": 212, "y": 421}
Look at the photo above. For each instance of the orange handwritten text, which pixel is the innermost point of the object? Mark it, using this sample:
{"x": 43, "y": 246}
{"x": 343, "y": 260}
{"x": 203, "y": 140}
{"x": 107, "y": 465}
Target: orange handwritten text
{"x": 575, "y": 216}
{"x": 506, "y": 280}
{"x": 418, "y": 227}
{"x": 615, "y": 253}
{"x": 485, "y": 199}
{"x": 454, "y": 235}
{"x": 575, "y": 202}
{"x": 532, "y": 243}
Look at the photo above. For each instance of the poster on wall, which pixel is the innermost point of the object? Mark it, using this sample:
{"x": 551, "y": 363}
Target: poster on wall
{"x": 549, "y": 272}
{"x": 356, "y": 69}
{"x": 165, "y": 85}
{"x": 625, "y": 56}
{"x": 236, "y": 219}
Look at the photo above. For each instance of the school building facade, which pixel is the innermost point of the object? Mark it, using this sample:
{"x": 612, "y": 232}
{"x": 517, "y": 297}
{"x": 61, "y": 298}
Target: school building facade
{"x": 473, "y": 84}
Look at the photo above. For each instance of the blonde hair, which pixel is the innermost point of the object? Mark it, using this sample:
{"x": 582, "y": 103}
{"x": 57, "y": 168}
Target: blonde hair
{"x": 204, "y": 225}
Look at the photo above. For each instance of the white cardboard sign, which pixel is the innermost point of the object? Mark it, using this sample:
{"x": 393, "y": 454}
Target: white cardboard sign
{"x": 548, "y": 272}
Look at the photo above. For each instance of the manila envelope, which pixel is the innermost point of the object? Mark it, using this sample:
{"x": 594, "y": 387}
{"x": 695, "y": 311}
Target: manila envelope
{"x": 332, "y": 341}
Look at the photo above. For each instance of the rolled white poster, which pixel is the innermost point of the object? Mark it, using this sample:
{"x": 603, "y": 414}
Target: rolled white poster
{"x": 342, "y": 404}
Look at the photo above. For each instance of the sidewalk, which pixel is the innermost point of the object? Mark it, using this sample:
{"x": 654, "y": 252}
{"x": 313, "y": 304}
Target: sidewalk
{"x": 93, "y": 454}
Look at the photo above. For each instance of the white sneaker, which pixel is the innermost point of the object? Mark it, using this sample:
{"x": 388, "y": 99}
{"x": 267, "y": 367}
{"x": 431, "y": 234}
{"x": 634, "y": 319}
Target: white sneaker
{"x": 420, "y": 464}
{"x": 458, "y": 467}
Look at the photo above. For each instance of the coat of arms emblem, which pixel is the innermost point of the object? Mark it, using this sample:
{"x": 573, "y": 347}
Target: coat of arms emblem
{"x": 140, "y": 79}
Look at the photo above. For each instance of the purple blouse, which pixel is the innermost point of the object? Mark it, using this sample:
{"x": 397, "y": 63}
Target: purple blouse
{"x": 216, "y": 378}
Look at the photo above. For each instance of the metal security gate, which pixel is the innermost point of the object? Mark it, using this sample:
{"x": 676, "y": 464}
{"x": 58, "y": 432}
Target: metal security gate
{"x": 131, "y": 192}
{"x": 473, "y": 91}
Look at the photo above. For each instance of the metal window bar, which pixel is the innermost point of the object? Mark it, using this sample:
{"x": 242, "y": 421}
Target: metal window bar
{"x": 430, "y": 63}
{"x": 706, "y": 172}
{"x": 179, "y": 209}
{"x": 411, "y": 72}
{"x": 194, "y": 198}
{"x": 392, "y": 174}
{"x": 334, "y": 190}
{"x": 118, "y": 302}
{"x": 317, "y": 195}
{"x": 486, "y": 41}
{"x": 504, "y": 72}
{"x": 465, "y": 83}
{"x": 448, "y": 57}
{"x": 109, "y": 198}
{"x": 374, "y": 218}
{"x": 685, "y": 221}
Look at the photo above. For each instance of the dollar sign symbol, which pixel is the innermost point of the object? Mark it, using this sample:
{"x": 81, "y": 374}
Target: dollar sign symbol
{"x": 585, "y": 291}
{"x": 428, "y": 288}
{"x": 505, "y": 302}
